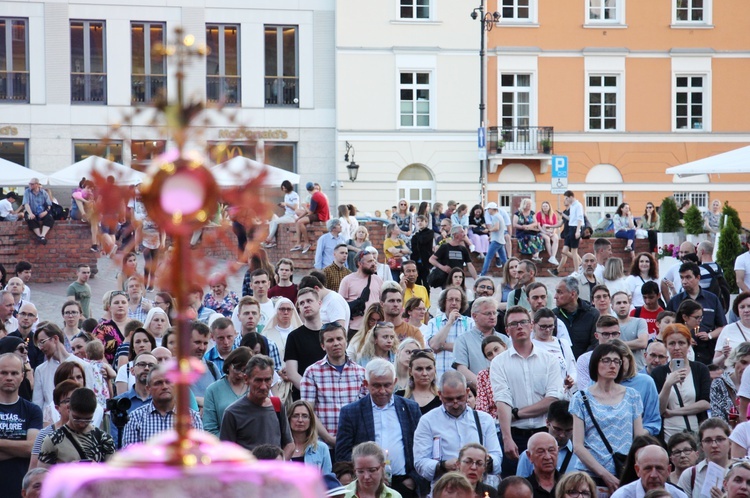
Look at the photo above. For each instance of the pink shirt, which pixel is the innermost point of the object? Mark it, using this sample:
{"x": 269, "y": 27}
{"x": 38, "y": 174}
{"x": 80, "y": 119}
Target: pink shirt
{"x": 350, "y": 289}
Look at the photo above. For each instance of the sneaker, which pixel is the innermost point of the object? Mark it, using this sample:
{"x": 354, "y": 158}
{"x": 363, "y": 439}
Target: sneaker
{"x": 43, "y": 240}
{"x": 94, "y": 248}
{"x": 553, "y": 272}
{"x": 553, "y": 261}
{"x": 628, "y": 249}
{"x": 267, "y": 245}
{"x": 306, "y": 248}
{"x": 296, "y": 248}
{"x": 537, "y": 259}
{"x": 472, "y": 248}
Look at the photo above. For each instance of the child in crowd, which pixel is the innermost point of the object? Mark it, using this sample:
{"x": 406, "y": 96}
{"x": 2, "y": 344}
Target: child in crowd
{"x": 103, "y": 372}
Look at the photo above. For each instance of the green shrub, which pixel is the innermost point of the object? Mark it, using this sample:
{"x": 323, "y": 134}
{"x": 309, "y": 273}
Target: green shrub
{"x": 728, "y": 210}
{"x": 729, "y": 248}
{"x": 693, "y": 221}
{"x": 668, "y": 216}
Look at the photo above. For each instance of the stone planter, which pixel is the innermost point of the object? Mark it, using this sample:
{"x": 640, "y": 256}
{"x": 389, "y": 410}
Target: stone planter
{"x": 697, "y": 239}
{"x": 666, "y": 238}
{"x": 665, "y": 264}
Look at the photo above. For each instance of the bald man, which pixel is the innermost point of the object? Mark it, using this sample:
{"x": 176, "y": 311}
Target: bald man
{"x": 671, "y": 285}
{"x": 652, "y": 467}
{"x": 542, "y": 452}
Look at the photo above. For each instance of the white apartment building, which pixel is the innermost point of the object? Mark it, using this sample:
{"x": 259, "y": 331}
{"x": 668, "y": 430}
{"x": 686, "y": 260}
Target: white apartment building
{"x": 407, "y": 96}
{"x": 69, "y": 70}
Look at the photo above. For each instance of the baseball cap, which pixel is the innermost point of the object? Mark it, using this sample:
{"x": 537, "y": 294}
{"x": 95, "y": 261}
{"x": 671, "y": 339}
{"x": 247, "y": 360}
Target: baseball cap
{"x": 310, "y": 186}
{"x": 492, "y": 205}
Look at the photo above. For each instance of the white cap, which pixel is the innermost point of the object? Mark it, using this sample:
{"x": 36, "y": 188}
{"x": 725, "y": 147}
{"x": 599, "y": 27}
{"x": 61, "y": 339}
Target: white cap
{"x": 492, "y": 205}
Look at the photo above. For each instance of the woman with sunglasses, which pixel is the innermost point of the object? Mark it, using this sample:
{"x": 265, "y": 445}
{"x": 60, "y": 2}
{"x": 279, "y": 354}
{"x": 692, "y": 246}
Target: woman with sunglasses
{"x": 472, "y": 461}
{"x": 422, "y": 387}
{"x": 226, "y": 390}
{"x": 650, "y": 222}
{"x": 381, "y": 342}
{"x": 617, "y": 411}
{"x": 110, "y": 331}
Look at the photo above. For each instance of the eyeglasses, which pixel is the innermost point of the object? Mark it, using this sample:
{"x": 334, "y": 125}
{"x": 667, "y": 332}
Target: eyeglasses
{"x": 369, "y": 470}
{"x": 23, "y": 314}
{"x": 611, "y": 361}
{"x": 710, "y": 442}
{"x": 43, "y": 341}
{"x": 118, "y": 293}
{"x": 65, "y": 401}
{"x": 471, "y": 463}
{"x": 682, "y": 452}
{"x": 22, "y": 348}
{"x": 649, "y": 207}
{"x": 145, "y": 364}
{"x": 573, "y": 493}
{"x": 699, "y": 317}
{"x": 657, "y": 356}
{"x": 609, "y": 335}
{"x": 546, "y": 327}
{"x": 485, "y": 287}
{"x": 518, "y": 324}
{"x": 85, "y": 421}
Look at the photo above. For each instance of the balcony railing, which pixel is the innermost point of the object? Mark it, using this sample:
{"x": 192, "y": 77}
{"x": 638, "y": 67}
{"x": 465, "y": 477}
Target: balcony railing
{"x": 88, "y": 88}
{"x": 147, "y": 87}
{"x": 522, "y": 140}
{"x": 14, "y": 86}
{"x": 282, "y": 90}
{"x": 225, "y": 89}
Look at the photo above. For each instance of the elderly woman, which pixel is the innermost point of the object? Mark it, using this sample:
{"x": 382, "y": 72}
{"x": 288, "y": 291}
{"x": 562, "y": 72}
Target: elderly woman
{"x": 359, "y": 242}
{"x": 220, "y": 299}
{"x": 576, "y": 485}
{"x": 226, "y": 390}
{"x": 369, "y": 467}
{"x": 606, "y": 417}
{"x": 37, "y": 205}
{"x": 395, "y": 249}
{"x": 724, "y": 389}
{"x": 683, "y": 453}
{"x": 527, "y": 230}
{"x": 157, "y": 323}
{"x": 684, "y": 386}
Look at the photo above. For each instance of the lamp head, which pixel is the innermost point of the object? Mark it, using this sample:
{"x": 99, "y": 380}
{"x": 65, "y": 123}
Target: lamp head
{"x": 474, "y": 14}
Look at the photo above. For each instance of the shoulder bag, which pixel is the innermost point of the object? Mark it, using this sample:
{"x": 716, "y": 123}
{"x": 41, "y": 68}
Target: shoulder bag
{"x": 617, "y": 458}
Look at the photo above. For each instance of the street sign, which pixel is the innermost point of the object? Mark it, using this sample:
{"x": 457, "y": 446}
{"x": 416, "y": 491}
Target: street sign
{"x": 559, "y": 174}
{"x": 482, "y": 138}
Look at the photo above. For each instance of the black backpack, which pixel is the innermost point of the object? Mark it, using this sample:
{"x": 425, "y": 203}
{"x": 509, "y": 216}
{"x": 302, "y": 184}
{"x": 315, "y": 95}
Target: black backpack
{"x": 718, "y": 285}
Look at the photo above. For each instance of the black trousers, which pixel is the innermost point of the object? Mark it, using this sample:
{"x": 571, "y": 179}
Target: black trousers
{"x": 397, "y": 483}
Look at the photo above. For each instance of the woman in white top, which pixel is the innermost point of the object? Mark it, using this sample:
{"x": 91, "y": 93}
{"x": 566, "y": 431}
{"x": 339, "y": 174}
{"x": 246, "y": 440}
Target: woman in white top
{"x": 643, "y": 269}
{"x": 734, "y": 333}
{"x": 544, "y": 338}
{"x": 281, "y": 324}
{"x": 290, "y": 205}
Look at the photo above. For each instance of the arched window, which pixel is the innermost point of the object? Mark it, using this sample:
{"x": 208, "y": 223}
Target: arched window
{"x": 416, "y": 184}
{"x": 599, "y": 204}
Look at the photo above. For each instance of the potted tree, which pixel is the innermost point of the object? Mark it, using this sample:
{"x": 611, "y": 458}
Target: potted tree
{"x": 670, "y": 229}
{"x": 694, "y": 225}
{"x": 500, "y": 144}
{"x": 546, "y": 145}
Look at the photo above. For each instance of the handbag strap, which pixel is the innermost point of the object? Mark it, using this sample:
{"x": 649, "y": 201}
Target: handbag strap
{"x": 565, "y": 463}
{"x": 75, "y": 443}
{"x": 479, "y": 427}
{"x": 682, "y": 405}
{"x": 596, "y": 424}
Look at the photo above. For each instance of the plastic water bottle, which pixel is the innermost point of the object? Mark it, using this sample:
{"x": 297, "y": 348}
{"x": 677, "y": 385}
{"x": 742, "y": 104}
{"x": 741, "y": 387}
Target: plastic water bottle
{"x": 388, "y": 469}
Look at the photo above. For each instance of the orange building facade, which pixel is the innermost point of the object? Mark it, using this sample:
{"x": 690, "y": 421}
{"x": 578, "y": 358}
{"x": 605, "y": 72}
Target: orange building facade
{"x": 625, "y": 90}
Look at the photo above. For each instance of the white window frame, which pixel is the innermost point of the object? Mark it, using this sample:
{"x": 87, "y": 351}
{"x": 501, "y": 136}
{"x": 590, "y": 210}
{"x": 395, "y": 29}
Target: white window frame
{"x": 700, "y": 199}
{"x": 533, "y": 12}
{"x": 414, "y": 6}
{"x": 619, "y": 18}
{"x": 620, "y": 105}
{"x": 704, "y": 104}
{"x": 415, "y": 86}
{"x": 9, "y": 70}
{"x": 693, "y": 66}
{"x": 603, "y": 209}
{"x": 707, "y": 14}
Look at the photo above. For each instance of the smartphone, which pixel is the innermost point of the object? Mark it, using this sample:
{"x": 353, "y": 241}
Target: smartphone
{"x": 677, "y": 364}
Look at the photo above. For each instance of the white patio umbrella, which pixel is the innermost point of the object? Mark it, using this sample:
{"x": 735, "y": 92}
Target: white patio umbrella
{"x": 734, "y": 161}
{"x": 15, "y": 175}
{"x": 71, "y": 175}
{"x": 239, "y": 170}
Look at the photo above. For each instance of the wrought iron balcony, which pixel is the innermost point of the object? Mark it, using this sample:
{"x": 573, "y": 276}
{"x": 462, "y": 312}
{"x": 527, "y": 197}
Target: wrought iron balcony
{"x": 88, "y": 88}
{"x": 146, "y": 88}
{"x": 225, "y": 89}
{"x": 14, "y": 86}
{"x": 282, "y": 90}
{"x": 520, "y": 140}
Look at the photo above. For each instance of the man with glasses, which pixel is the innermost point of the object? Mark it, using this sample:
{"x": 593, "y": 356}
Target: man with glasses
{"x": 393, "y": 307}
{"x": 607, "y": 329}
{"x": 51, "y": 342}
{"x": 37, "y": 205}
{"x": 138, "y": 305}
{"x": 670, "y": 282}
{"x": 656, "y": 356}
{"x": 652, "y": 468}
{"x": 713, "y": 320}
{"x": 27, "y": 317}
{"x": 483, "y": 287}
{"x": 442, "y": 432}
{"x": 542, "y": 452}
{"x": 139, "y": 394}
{"x": 713, "y": 436}
{"x": 467, "y": 350}
{"x": 80, "y": 290}
{"x": 444, "y": 329}
{"x": 578, "y": 316}
{"x": 20, "y": 421}
{"x": 388, "y": 420}
{"x": 77, "y": 440}
{"x": 223, "y": 335}
{"x": 157, "y": 415}
{"x": 560, "y": 427}
{"x": 525, "y": 382}
{"x": 7, "y": 306}
{"x": 332, "y": 382}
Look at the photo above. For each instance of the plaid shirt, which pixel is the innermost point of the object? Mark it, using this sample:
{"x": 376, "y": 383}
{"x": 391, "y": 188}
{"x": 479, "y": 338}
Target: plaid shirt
{"x": 139, "y": 313}
{"x": 146, "y": 421}
{"x": 328, "y": 390}
{"x": 334, "y": 274}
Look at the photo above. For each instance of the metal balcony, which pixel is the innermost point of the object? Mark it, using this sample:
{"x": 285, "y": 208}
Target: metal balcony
{"x": 520, "y": 141}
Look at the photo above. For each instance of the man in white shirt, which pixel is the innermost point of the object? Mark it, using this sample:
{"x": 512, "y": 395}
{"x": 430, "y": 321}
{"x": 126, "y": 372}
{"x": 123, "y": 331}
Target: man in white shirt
{"x": 333, "y": 307}
{"x": 572, "y": 235}
{"x": 671, "y": 285}
{"x": 524, "y": 382}
{"x": 7, "y": 304}
{"x": 652, "y": 468}
{"x": 7, "y": 213}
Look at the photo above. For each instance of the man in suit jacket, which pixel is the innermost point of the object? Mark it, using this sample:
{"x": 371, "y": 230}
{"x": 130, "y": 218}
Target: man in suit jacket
{"x": 386, "y": 419}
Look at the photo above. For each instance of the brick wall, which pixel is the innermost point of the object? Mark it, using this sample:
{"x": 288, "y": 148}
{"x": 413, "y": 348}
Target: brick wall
{"x": 68, "y": 245}
{"x": 218, "y": 248}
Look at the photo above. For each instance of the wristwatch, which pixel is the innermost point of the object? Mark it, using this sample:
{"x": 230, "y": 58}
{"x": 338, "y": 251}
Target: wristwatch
{"x": 514, "y": 412}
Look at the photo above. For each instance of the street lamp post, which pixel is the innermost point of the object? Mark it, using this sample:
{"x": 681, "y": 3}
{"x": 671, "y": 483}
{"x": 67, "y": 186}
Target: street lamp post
{"x": 487, "y": 22}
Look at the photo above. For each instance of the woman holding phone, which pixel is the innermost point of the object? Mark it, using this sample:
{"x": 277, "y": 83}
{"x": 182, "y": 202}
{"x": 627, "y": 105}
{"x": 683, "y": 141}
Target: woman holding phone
{"x": 684, "y": 386}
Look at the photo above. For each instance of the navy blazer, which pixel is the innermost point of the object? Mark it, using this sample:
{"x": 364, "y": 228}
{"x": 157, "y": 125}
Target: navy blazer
{"x": 356, "y": 426}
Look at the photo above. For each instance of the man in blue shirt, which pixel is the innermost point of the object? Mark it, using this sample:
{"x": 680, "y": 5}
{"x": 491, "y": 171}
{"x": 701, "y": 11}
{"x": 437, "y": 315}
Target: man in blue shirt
{"x": 139, "y": 394}
{"x": 327, "y": 243}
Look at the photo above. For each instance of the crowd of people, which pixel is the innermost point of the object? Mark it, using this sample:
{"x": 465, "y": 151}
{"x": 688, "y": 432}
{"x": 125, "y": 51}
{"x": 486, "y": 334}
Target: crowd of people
{"x": 613, "y": 382}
